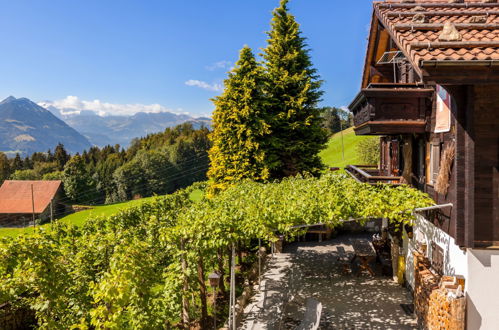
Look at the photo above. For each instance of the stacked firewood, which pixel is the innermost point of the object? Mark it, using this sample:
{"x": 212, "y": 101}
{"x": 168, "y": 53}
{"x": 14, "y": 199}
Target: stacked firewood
{"x": 425, "y": 283}
{"x": 439, "y": 301}
{"x": 447, "y": 305}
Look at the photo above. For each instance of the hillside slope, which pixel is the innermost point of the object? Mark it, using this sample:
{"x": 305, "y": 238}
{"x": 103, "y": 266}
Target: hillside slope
{"x": 333, "y": 156}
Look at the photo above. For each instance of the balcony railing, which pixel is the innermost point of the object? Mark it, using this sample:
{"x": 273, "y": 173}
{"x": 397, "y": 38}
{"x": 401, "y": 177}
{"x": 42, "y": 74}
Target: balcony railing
{"x": 371, "y": 174}
{"x": 391, "y": 109}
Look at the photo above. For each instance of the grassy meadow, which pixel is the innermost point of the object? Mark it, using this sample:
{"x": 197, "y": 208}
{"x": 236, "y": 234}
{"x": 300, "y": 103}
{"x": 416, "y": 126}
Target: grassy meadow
{"x": 79, "y": 218}
{"x": 333, "y": 155}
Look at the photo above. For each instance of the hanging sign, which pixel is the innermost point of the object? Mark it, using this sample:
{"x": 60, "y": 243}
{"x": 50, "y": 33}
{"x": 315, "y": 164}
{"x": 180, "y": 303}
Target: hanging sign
{"x": 443, "y": 117}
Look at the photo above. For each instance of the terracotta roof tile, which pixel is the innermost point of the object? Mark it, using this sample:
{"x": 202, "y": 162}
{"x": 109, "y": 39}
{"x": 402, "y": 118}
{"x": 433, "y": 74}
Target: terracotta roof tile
{"x": 392, "y": 13}
{"x": 15, "y": 196}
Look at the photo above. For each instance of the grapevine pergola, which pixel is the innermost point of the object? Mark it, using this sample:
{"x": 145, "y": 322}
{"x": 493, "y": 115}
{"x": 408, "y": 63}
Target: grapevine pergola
{"x": 148, "y": 266}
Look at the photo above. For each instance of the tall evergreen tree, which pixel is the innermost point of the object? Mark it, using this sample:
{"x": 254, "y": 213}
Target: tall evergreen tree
{"x": 240, "y": 126}
{"x": 17, "y": 163}
{"x": 61, "y": 156}
{"x": 293, "y": 88}
{"x": 5, "y": 169}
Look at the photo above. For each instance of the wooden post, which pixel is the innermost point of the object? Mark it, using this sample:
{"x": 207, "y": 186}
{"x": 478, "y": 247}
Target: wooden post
{"x": 342, "y": 143}
{"x": 232, "y": 299}
{"x": 221, "y": 271}
{"x": 185, "y": 301}
{"x": 202, "y": 290}
{"x": 51, "y": 211}
{"x": 259, "y": 261}
{"x": 33, "y": 204}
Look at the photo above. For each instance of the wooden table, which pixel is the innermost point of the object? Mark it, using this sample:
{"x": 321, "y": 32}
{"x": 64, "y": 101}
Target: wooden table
{"x": 364, "y": 251}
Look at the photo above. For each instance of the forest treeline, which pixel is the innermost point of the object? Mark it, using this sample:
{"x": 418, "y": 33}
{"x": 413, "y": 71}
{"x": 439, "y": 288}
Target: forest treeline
{"x": 159, "y": 163}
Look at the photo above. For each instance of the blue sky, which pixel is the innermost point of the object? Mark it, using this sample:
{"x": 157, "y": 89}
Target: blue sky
{"x": 133, "y": 55}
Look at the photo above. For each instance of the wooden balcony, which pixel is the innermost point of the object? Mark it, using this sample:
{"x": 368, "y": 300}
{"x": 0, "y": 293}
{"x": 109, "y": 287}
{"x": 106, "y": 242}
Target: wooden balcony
{"x": 386, "y": 109}
{"x": 371, "y": 174}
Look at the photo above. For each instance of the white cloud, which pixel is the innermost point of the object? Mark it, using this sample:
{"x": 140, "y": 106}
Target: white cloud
{"x": 227, "y": 65}
{"x": 73, "y": 105}
{"x": 205, "y": 85}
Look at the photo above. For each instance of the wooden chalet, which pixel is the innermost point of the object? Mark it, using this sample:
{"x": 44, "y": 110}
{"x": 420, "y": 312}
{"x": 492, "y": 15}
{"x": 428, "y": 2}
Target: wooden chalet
{"x": 430, "y": 90}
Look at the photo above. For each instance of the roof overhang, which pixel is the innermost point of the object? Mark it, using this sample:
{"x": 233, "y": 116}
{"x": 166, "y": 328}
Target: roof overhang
{"x": 460, "y": 72}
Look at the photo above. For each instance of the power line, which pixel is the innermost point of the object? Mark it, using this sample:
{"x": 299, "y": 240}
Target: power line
{"x": 185, "y": 175}
{"x": 162, "y": 171}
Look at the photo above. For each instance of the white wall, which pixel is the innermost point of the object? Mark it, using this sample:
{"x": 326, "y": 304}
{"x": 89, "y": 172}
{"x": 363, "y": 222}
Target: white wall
{"x": 455, "y": 259}
{"x": 480, "y": 268}
{"x": 483, "y": 289}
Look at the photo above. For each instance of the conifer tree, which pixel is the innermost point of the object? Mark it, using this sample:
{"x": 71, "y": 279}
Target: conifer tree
{"x": 293, "y": 89}
{"x": 240, "y": 126}
{"x": 17, "y": 163}
{"x": 61, "y": 156}
{"x": 5, "y": 169}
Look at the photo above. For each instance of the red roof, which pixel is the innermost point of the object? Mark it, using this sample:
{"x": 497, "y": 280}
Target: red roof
{"x": 15, "y": 196}
{"x": 476, "y": 21}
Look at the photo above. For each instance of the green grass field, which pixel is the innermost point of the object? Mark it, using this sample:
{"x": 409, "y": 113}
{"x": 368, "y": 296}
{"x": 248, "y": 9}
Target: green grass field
{"x": 80, "y": 217}
{"x": 333, "y": 155}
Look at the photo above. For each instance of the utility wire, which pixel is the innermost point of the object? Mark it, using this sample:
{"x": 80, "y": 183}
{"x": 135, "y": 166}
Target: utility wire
{"x": 203, "y": 168}
{"x": 162, "y": 171}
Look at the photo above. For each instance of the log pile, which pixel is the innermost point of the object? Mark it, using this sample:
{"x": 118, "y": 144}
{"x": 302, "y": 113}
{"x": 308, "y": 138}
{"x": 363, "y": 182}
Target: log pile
{"x": 439, "y": 301}
{"x": 447, "y": 308}
{"x": 425, "y": 283}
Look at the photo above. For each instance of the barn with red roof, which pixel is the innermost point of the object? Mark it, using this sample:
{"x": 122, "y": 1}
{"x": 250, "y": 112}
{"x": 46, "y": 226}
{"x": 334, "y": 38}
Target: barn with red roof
{"x": 19, "y": 200}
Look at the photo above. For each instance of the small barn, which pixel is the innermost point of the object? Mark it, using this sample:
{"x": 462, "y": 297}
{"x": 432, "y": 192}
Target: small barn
{"x": 20, "y": 199}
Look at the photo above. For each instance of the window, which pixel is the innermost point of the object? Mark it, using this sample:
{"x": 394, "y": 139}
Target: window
{"x": 437, "y": 258}
{"x": 434, "y": 163}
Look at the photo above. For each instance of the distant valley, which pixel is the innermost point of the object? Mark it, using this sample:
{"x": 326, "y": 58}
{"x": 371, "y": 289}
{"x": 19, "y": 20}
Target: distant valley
{"x": 111, "y": 130}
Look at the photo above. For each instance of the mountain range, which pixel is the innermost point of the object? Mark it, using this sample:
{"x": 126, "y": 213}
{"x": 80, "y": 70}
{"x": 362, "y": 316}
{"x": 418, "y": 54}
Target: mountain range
{"x": 26, "y": 127}
{"x": 111, "y": 130}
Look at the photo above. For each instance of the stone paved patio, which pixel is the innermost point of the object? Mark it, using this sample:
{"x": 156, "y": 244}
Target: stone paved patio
{"x": 311, "y": 270}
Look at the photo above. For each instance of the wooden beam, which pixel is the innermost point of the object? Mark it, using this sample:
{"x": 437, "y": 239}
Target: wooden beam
{"x": 454, "y": 44}
{"x": 376, "y": 127}
{"x": 429, "y": 26}
{"x": 441, "y": 13}
{"x": 373, "y": 37}
{"x": 397, "y": 42}
{"x": 460, "y": 74}
{"x": 469, "y": 167}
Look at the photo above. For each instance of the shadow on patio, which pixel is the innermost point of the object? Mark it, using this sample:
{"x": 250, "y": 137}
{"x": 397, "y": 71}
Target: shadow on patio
{"x": 312, "y": 270}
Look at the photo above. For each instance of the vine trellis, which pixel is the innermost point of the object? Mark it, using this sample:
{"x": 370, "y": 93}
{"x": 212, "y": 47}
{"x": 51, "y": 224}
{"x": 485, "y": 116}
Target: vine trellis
{"x": 147, "y": 266}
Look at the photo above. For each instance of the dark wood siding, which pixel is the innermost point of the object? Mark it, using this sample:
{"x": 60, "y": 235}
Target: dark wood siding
{"x": 486, "y": 190}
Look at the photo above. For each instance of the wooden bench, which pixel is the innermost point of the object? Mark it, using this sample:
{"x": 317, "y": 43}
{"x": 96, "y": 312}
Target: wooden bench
{"x": 313, "y": 313}
{"x": 321, "y": 230}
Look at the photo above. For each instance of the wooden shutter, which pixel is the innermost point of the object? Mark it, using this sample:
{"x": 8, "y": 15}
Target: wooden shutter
{"x": 394, "y": 161}
{"x": 437, "y": 258}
